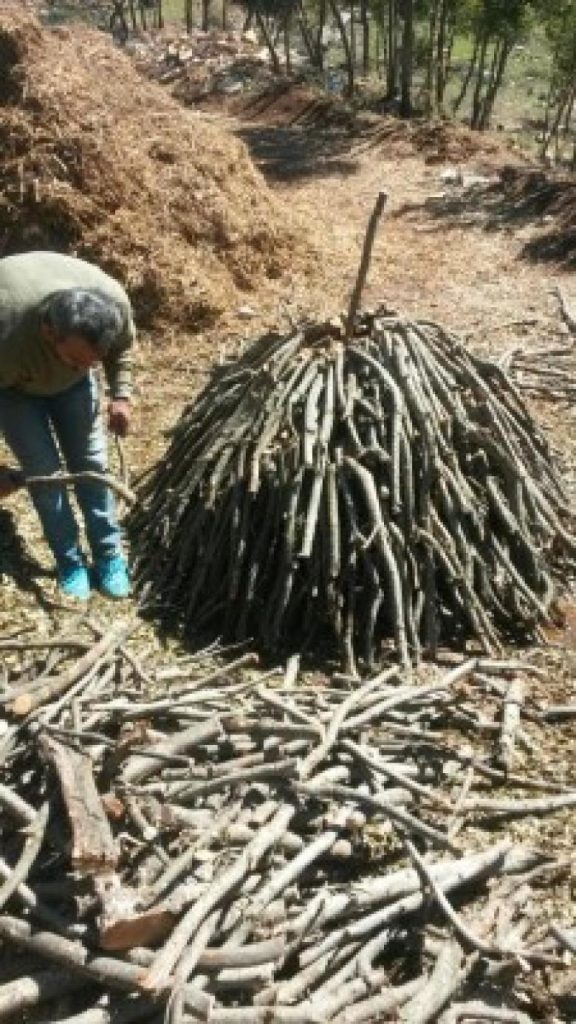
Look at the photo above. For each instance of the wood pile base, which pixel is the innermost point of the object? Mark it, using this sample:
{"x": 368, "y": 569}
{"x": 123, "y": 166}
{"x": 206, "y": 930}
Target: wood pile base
{"x": 203, "y": 841}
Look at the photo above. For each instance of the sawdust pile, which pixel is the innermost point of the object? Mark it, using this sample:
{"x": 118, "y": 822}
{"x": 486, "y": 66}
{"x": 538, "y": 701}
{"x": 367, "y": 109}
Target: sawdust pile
{"x": 96, "y": 161}
{"x": 439, "y": 141}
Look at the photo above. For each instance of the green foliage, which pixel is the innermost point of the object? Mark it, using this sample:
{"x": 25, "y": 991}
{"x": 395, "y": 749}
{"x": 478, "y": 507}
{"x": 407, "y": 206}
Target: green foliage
{"x": 560, "y": 23}
{"x": 504, "y": 19}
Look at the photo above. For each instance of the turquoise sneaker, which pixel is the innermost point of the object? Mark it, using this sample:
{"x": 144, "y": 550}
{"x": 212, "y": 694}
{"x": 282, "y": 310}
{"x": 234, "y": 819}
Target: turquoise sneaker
{"x": 74, "y": 581}
{"x": 112, "y": 577}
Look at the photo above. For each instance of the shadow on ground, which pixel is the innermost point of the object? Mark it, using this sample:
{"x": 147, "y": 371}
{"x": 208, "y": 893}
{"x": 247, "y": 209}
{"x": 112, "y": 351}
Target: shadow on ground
{"x": 519, "y": 199}
{"x": 288, "y": 152}
{"x": 293, "y": 133}
{"x": 294, "y": 129}
{"x": 18, "y": 564}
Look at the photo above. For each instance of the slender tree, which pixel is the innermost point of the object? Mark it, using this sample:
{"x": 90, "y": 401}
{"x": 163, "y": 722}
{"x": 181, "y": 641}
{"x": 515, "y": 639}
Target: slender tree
{"x": 348, "y": 52}
{"x": 560, "y": 25}
{"x": 496, "y": 26}
{"x": 365, "y": 23}
{"x": 431, "y": 96}
{"x": 407, "y": 58}
{"x": 188, "y": 15}
{"x": 393, "y": 61}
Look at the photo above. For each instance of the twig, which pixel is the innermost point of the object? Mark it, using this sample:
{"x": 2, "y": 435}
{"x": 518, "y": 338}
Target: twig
{"x": 34, "y": 840}
{"x": 35, "y": 696}
{"x": 567, "y": 316}
{"x": 377, "y": 803}
{"x": 156, "y": 976}
{"x": 71, "y": 479}
{"x": 76, "y": 957}
{"x": 511, "y": 711}
{"x": 445, "y": 980}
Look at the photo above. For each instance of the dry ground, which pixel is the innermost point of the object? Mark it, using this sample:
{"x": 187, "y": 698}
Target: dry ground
{"x": 471, "y": 279}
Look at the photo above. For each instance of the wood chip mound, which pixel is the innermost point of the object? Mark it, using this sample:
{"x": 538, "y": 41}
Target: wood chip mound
{"x": 97, "y": 161}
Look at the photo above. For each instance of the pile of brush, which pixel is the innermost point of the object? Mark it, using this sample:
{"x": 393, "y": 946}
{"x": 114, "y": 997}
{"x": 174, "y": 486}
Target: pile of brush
{"x": 388, "y": 486}
{"x": 354, "y": 482}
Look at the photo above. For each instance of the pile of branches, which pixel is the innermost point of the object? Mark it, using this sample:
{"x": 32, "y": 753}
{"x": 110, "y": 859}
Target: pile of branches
{"x": 546, "y": 373}
{"x": 252, "y": 848}
{"x": 353, "y": 486}
{"x": 550, "y": 372}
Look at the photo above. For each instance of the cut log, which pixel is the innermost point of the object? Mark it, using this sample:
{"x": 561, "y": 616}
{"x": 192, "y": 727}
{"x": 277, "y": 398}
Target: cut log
{"x": 93, "y": 848}
{"x": 122, "y": 924}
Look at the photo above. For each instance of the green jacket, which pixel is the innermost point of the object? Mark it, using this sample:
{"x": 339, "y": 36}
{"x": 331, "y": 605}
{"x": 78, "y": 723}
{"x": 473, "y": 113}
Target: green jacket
{"x": 27, "y": 361}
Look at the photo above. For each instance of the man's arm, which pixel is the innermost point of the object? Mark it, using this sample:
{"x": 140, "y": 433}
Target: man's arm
{"x": 118, "y": 370}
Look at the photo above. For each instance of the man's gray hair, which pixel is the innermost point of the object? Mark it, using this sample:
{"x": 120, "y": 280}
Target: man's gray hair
{"x": 87, "y": 312}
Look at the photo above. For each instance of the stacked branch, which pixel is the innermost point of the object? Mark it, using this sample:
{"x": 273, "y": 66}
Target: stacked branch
{"x": 243, "y": 849}
{"x": 387, "y": 488}
{"x": 547, "y": 373}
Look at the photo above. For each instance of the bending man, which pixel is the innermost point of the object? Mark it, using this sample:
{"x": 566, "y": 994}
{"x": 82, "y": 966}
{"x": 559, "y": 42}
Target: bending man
{"x": 59, "y": 318}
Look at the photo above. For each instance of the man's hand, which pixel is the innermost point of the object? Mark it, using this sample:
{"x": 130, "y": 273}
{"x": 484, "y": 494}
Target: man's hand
{"x": 11, "y": 480}
{"x": 119, "y": 413}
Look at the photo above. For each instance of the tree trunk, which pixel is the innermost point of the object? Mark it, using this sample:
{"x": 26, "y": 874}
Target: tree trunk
{"x": 160, "y": 13}
{"x": 430, "y": 89}
{"x": 345, "y": 44}
{"x": 286, "y": 33}
{"x": 392, "y": 70}
{"x": 353, "y": 36}
{"x": 441, "y": 59}
{"x": 320, "y": 33}
{"x": 118, "y": 17}
{"x": 133, "y": 17}
{"x": 498, "y": 68}
{"x": 552, "y": 131}
{"x": 205, "y": 15}
{"x": 551, "y": 120}
{"x": 268, "y": 42}
{"x": 486, "y": 83}
{"x": 477, "y": 98}
{"x": 307, "y": 37}
{"x": 188, "y": 16}
{"x": 378, "y": 55}
{"x": 569, "y": 112}
{"x": 365, "y": 37}
{"x": 468, "y": 76}
{"x": 407, "y": 58}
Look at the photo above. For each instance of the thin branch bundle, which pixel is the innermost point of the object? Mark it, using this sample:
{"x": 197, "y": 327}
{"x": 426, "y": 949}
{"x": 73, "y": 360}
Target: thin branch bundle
{"x": 384, "y": 489}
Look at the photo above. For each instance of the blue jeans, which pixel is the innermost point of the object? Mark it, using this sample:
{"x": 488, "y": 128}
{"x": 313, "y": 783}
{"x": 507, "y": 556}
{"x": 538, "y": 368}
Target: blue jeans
{"x": 44, "y": 431}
